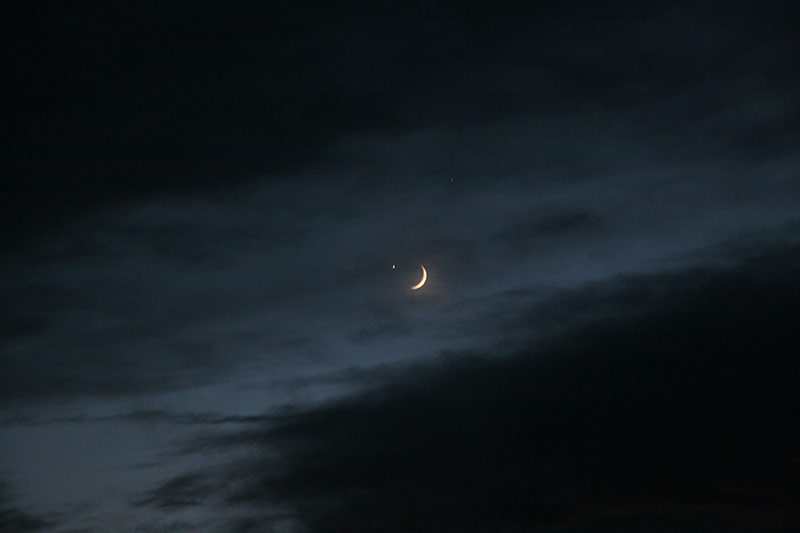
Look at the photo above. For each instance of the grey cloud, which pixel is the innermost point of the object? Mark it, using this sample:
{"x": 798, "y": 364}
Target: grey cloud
{"x": 13, "y": 519}
{"x": 673, "y": 412}
{"x": 195, "y": 287}
{"x": 143, "y": 417}
{"x": 537, "y": 233}
{"x": 187, "y": 490}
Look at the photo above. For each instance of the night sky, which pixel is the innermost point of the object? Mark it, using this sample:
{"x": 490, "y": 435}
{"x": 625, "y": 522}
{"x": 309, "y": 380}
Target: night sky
{"x": 213, "y": 214}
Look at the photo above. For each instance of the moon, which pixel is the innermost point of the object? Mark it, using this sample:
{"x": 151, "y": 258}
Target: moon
{"x": 422, "y": 281}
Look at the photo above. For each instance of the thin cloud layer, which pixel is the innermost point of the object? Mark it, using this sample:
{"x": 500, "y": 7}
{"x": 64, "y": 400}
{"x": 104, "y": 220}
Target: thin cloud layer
{"x": 184, "y": 292}
{"x": 676, "y": 415}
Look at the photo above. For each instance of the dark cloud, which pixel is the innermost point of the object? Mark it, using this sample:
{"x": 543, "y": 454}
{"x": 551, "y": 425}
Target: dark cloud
{"x": 536, "y": 233}
{"x": 143, "y": 417}
{"x": 186, "y": 490}
{"x": 675, "y": 412}
{"x": 111, "y": 102}
{"x": 15, "y": 520}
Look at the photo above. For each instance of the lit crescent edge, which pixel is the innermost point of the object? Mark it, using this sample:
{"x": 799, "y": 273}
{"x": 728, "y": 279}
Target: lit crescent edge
{"x": 422, "y": 281}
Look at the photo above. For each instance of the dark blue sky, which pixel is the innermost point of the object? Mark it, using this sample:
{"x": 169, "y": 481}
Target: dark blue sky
{"x": 201, "y": 328}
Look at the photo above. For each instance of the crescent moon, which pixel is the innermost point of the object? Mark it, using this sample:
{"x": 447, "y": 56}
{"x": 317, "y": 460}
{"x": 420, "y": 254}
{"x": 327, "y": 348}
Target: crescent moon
{"x": 422, "y": 281}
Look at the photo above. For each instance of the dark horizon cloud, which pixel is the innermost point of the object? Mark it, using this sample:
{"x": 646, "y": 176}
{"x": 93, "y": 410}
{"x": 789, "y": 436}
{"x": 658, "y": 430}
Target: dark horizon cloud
{"x": 676, "y": 414}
